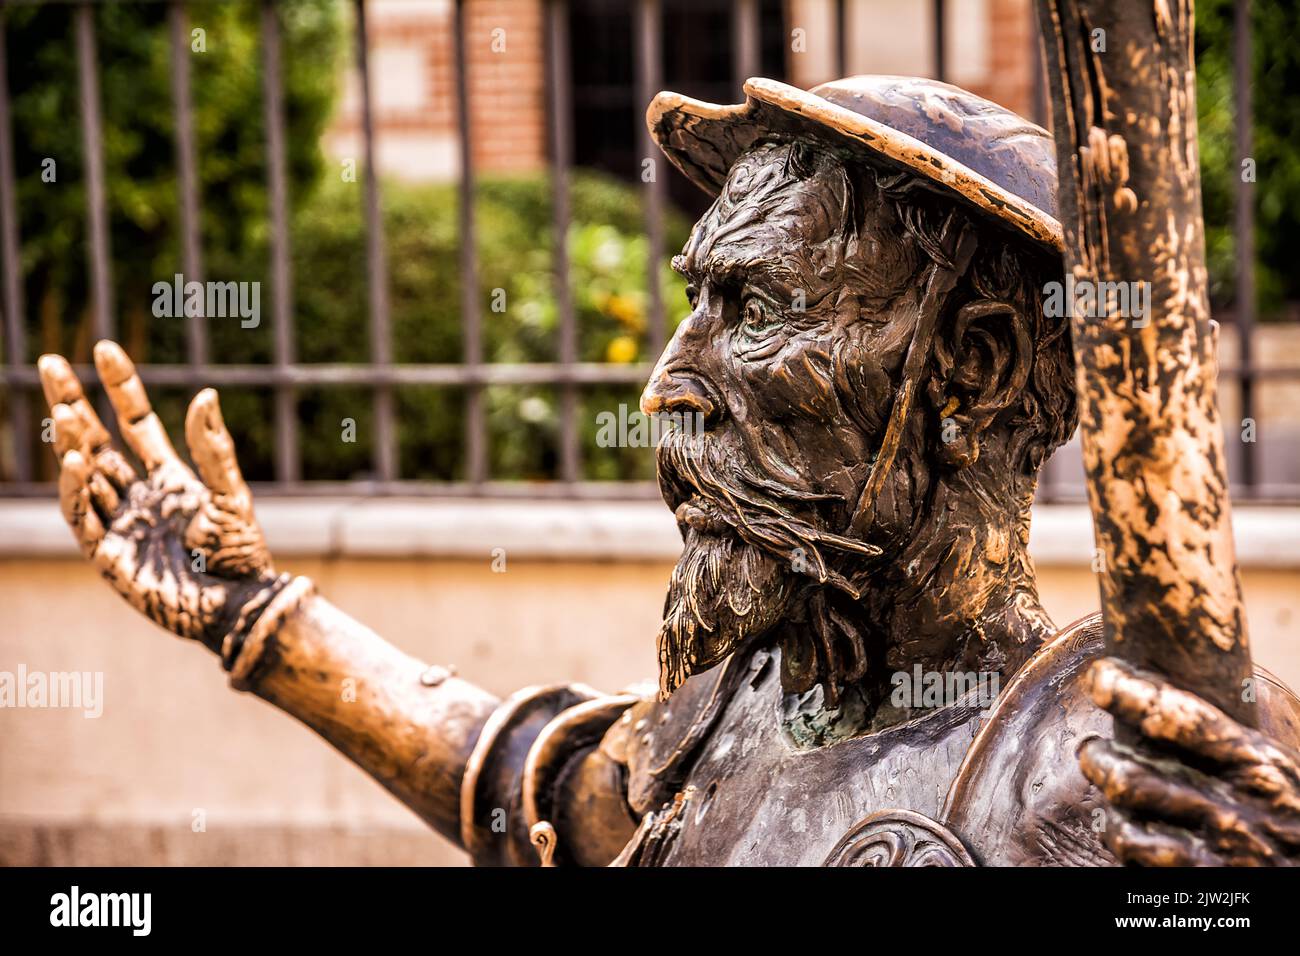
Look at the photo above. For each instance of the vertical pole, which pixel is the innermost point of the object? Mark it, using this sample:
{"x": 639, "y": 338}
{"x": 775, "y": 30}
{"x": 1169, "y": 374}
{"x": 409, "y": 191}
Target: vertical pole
{"x": 940, "y": 46}
{"x": 561, "y": 128}
{"x": 1153, "y": 442}
{"x": 187, "y": 175}
{"x": 649, "y": 73}
{"x": 745, "y": 28}
{"x": 381, "y": 349}
{"x": 1037, "y": 80}
{"x": 286, "y": 418}
{"x": 92, "y": 138}
{"x": 15, "y": 337}
{"x": 475, "y": 418}
{"x": 841, "y": 41}
{"x": 1244, "y": 228}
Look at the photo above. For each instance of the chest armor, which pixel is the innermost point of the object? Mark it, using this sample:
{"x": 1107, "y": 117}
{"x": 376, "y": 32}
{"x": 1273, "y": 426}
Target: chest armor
{"x": 723, "y": 783}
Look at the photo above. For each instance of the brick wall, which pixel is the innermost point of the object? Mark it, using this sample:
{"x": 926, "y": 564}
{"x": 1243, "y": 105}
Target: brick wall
{"x": 413, "y": 88}
{"x": 413, "y": 72}
{"x": 507, "y": 88}
{"x": 1011, "y": 56}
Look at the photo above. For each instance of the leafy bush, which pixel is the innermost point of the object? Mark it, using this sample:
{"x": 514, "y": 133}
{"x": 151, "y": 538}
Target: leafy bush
{"x": 1275, "y": 77}
{"x": 139, "y": 152}
{"x": 608, "y": 254}
{"x": 607, "y": 248}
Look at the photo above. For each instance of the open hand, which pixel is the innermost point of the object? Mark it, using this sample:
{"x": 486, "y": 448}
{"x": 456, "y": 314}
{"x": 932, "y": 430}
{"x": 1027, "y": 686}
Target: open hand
{"x": 186, "y": 551}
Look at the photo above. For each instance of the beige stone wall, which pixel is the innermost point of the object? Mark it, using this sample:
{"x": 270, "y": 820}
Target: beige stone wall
{"x": 988, "y": 45}
{"x": 173, "y": 740}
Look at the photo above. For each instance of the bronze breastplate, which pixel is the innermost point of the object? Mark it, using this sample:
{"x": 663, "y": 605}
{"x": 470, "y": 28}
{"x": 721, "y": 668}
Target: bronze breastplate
{"x": 752, "y": 797}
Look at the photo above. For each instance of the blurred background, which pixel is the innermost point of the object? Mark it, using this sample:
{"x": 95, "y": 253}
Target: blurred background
{"x": 460, "y": 233}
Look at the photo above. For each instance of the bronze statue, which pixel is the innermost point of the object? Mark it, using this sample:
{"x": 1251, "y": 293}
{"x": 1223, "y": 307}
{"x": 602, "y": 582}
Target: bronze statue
{"x": 880, "y": 385}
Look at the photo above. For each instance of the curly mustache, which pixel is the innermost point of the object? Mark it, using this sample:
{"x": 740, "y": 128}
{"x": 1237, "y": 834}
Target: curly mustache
{"x": 696, "y": 468}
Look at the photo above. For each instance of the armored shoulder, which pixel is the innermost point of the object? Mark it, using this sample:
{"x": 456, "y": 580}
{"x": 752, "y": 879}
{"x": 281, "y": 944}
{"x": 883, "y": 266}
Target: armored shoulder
{"x": 564, "y": 775}
{"x": 532, "y": 774}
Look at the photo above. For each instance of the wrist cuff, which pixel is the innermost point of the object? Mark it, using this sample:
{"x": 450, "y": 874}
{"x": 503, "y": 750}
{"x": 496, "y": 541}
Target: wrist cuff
{"x": 242, "y": 657}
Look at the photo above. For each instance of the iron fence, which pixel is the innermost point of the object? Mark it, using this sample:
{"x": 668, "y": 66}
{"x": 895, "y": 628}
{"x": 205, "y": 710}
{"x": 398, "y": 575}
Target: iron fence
{"x": 285, "y": 375}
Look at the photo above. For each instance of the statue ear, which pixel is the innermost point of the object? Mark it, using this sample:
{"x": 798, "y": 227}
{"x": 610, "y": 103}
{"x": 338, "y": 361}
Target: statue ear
{"x": 981, "y": 362}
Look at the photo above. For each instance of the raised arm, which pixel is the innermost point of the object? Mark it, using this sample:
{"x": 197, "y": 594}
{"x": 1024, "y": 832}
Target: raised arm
{"x": 187, "y": 552}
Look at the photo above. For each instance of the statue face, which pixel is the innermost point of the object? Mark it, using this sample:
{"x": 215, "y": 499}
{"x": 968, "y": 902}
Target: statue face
{"x": 800, "y": 322}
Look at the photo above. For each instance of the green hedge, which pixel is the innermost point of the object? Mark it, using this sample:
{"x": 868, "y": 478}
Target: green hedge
{"x": 608, "y": 256}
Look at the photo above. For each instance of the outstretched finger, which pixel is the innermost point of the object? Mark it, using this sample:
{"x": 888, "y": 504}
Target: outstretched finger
{"x": 69, "y": 436}
{"x": 212, "y": 448}
{"x": 142, "y": 429}
{"x": 75, "y": 501}
{"x": 61, "y": 386}
{"x": 69, "y": 431}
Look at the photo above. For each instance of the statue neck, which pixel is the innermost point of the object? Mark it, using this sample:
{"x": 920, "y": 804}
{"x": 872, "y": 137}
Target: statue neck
{"x": 958, "y": 599}
{"x": 962, "y": 593}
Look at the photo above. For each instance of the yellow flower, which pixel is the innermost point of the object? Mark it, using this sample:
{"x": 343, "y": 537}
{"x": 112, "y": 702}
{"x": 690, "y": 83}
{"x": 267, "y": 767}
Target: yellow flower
{"x": 624, "y": 308}
{"x": 621, "y": 350}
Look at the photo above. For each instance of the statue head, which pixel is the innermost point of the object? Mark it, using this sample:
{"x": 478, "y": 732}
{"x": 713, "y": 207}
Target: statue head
{"x": 875, "y": 378}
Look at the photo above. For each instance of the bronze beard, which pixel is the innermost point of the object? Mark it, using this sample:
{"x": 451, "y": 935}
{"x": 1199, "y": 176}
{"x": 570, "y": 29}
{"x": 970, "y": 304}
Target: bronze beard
{"x": 749, "y": 564}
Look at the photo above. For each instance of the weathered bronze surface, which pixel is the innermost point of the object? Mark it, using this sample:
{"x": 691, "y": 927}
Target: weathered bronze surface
{"x": 1152, "y": 438}
{"x": 879, "y": 385}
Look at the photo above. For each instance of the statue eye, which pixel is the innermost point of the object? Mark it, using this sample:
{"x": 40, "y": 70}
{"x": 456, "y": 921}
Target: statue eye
{"x": 757, "y": 321}
{"x": 758, "y": 330}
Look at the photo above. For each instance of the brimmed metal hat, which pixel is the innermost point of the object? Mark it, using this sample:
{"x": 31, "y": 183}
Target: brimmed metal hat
{"x": 962, "y": 145}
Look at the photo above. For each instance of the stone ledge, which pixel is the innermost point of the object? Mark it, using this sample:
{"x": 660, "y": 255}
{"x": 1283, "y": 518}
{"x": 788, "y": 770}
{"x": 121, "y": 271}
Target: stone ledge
{"x": 92, "y": 842}
{"x": 1267, "y": 537}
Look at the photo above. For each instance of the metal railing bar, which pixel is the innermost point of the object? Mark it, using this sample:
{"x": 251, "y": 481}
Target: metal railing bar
{"x": 841, "y": 41}
{"x": 939, "y": 40}
{"x": 649, "y": 78}
{"x": 560, "y": 114}
{"x": 1067, "y": 493}
{"x": 745, "y": 49}
{"x": 92, "y": 138}
{"x": 286, "y": 418}
{"x": 1037, "y": 74}
{"x": 598, "y": 490}
{"x": 187, "y": 175}
{"x": 451, "y": 374}
{"x": 1244, "y": 230}
{"x": 324, "y": 374}
{"x": 381, "y": 347}
{"x": 15, "y": 333}
{"x": 471, "y": 320}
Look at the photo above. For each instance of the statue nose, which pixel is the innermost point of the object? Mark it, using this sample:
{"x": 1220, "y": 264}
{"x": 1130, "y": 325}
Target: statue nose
{"x": 678, "y": 392}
